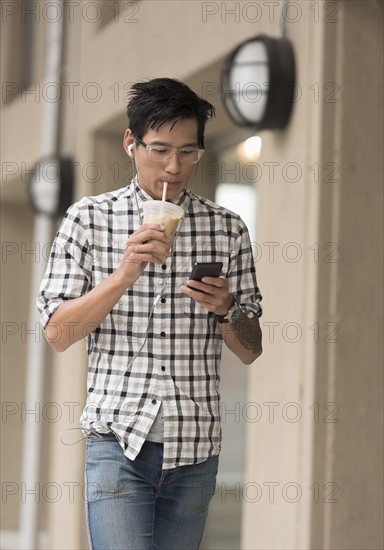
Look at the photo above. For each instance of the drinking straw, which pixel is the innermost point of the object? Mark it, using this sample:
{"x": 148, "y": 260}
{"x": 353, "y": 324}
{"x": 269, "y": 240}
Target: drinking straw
{"x": 165, "y": 186}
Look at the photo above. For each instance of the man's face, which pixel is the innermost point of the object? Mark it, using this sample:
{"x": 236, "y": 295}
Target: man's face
{"x": 151, "y": 174}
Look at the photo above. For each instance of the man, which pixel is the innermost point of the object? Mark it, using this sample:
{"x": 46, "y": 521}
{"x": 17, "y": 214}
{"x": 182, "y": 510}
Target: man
{"x": 154, "y": 344}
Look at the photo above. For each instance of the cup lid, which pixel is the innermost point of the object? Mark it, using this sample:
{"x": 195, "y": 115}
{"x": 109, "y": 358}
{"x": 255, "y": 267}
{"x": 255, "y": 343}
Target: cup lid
{"x": 159, "y": 206}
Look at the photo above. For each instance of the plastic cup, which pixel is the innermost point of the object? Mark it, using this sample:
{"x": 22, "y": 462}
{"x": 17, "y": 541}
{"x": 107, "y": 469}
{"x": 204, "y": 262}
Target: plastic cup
{"x": 163, "y": 213}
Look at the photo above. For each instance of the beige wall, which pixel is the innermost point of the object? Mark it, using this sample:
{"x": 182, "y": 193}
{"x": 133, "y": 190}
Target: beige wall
{"x": 185, "y": 40}
{"x": 281, "y": 382}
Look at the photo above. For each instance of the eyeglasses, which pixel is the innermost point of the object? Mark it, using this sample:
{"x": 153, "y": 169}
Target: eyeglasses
{"x": 160, "y": 153}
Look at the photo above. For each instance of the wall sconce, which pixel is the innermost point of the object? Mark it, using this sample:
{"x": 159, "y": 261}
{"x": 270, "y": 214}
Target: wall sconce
{"x": 258, "y": 83}
{"x": 51, "y": 185}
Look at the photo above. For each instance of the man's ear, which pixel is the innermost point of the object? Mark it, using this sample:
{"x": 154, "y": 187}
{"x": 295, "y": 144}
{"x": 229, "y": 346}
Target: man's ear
{"x": 128, "y": 139}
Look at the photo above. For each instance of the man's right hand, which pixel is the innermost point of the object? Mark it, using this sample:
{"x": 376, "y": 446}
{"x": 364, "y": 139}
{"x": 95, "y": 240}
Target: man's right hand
{"x": 138, "y": 251}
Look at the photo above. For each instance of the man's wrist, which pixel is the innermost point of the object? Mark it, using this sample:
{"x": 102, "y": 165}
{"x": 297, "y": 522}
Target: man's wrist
{"x": 120, "y": 280}
{"x": 231, "y": 315}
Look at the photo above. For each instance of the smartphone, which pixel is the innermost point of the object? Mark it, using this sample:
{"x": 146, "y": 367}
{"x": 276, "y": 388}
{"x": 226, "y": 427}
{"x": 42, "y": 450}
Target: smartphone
{"x": 207, "y": 269}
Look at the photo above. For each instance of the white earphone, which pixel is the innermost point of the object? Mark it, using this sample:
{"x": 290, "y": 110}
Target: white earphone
{"x": 129, "y": 150}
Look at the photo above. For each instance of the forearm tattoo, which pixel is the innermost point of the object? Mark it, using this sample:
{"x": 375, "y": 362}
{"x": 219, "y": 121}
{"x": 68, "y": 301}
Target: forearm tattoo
{"x": 247, "y": 332}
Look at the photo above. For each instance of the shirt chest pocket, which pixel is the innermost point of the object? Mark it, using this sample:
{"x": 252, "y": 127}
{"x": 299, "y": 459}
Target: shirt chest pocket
{"x": 196, "y": 313}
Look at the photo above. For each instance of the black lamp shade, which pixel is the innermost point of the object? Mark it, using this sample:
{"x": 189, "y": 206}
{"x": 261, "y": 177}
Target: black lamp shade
{"x": 258, "y": 83}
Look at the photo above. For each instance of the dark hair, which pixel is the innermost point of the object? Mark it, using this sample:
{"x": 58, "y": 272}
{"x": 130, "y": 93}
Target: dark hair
{"x": 163, "y": 100}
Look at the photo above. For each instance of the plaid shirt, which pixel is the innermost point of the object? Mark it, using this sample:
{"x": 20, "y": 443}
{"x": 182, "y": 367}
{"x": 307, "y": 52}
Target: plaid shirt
{"x": 179, "y": 363}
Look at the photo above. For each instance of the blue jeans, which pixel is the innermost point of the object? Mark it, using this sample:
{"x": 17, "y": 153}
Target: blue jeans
{"x": 136, "y": 505}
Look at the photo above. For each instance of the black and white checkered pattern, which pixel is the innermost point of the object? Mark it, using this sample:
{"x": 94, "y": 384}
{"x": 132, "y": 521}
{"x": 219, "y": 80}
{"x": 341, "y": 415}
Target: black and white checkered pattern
{"x": 179, "y": 364}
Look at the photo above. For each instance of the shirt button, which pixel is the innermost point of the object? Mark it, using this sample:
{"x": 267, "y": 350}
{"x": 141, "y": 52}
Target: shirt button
{"x": 154, "y": 401}
{"x": 164, "y": 266}
{"x": 163, "y": 300}
{"x": 162, "y": 334}
{"x": 163, "y": 368}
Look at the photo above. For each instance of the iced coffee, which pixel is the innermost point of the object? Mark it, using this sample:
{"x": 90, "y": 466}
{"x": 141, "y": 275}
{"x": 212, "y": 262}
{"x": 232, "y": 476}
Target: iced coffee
{"x": 163, "y": 213}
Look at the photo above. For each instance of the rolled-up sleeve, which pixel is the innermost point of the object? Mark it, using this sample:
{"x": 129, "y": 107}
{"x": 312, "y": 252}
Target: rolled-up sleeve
{"x": 242, "y": 273}
{"x": 69, "y": 270}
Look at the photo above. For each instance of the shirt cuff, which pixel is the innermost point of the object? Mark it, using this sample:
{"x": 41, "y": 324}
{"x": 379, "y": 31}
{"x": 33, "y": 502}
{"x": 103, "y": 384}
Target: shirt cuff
{"x": 48, "y": 311}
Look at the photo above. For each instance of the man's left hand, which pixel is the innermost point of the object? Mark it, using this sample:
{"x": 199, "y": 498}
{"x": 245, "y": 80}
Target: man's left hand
{"x": 215, "y": 296}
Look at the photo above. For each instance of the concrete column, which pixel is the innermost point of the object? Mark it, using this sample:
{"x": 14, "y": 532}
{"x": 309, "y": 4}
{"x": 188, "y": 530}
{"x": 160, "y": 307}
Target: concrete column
{"x": 330, "y": 459}
{"x": 348, "y": 453}
{"x": 66, "y": 526}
